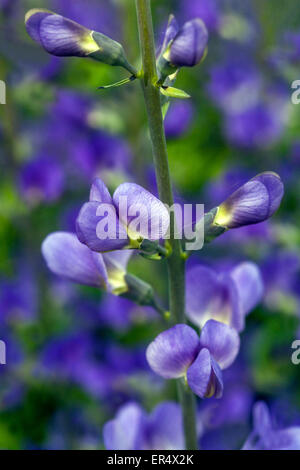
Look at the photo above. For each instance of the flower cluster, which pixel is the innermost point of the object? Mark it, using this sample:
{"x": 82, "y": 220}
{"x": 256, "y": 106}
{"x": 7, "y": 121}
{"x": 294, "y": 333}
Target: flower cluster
{"x": 99, "y": 238}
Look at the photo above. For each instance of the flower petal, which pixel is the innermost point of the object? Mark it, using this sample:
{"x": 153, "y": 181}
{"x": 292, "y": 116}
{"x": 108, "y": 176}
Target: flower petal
{"x": 116, "y": 264}
{"x": 146, "y": 216}
{"x": 171, "y": 31}
{"x": 165, "y": 428}
{"x": 68, "y": 258}
{"x": 249, "y": 284}
{"x": 286, "y": 439}
{"x": 261, "y": 418}
{"x": 173, "y": 351}
{"x": 208, "y": 296}
{"x": 254, "y": 202}
{"x": 63, "y": 37}
{"x": 204, "y": 376}
{"x": 189, "y": 45}
{"x": 117, "y": 259}
{"x": 113, "y": 236}
{"x": 33, "y": 21}
{"x": 222, "y": 341}
{"x": 125, "y": 432}
{"x": 99, "y": 192}
{"x": 274, "y": 187}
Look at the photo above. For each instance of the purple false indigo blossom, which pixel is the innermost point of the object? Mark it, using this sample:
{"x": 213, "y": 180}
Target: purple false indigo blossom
{"x": 42, "y": 179}
{"x": 179, "y": 352}
{"x": 182, "y": 47}
{"x": 178, "y": 119}
{"x": 18, "y": 298}
{"x": 133, "y": 429}
{"x": 254, "y": 202}
{"x": 70, "y": 259}
{"x": 225, "y": 297}
{"x": 208, "y": 11}
{"x": 260, "y": 125}
{"x": 266, "y": 437}
{"x": 63, "y": 37}
{"x": 133, "y": 214}
{"x": 71, "y": 358}
{"x": 235, "y": 85}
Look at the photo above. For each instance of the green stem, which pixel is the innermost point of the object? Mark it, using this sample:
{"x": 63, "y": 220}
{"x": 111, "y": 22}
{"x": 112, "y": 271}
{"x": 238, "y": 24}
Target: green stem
{"x": 176, "y": 262}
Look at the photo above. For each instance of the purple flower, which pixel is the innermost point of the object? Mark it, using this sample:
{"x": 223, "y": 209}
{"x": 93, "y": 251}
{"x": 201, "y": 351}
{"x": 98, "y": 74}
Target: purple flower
{"x": 106, "y": 21}
{"x": 70, "y": 259}
{"x": 179, "y": 352}
{"x": 71, "y": 358}
{"x": 257, "y": 126}
{"x": 61, "y": 36}
{"x": 42, "y": 179}
{"x": 179, "y": 118}
{"x": 120, "y": 313}
{"x": 184, "y": 47}
{"x": 225, "y": 297}
{"x": 254, "y": 202}
{"x": 18, "y": 298}
{"x": 235, "y": 85}
{"x": 170, "y": 33}
{"x": 111, "y": 223}
{"x": 208, "y": 11}
{"x": 232, "y": 408}
{"x": 133, "y": 429}
{"x": 265, "y": 437}
{"x": 189, "y": 45}
{"x": 281, "y": 278}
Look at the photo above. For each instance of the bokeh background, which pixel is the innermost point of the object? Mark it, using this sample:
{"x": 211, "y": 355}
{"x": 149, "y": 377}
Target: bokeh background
{"x": 75, "y": 354}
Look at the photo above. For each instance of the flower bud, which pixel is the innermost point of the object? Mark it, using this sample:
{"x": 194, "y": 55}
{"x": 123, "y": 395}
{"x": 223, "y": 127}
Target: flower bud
{"x": 139, "y": 291}
{"x": 254, "y": 202}
{"x": 61, "y": 36}
{"x": 184, "y": 47}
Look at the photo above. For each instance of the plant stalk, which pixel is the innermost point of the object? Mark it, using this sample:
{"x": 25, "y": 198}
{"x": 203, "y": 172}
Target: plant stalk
{"x": 176, "y": 262}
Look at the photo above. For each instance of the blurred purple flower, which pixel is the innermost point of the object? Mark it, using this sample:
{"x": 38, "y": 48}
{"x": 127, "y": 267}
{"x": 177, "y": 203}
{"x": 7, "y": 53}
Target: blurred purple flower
{"x": 179, "y": 118}
{"x": 281, "y": 273}
{"x": 42, "y": 180}
{"x": 257, "y": 126}
{"x": 18, "y": 298}
{"x": 207, "y": 10}
{"x": 71, "y": 358}
{"x": 225, "y": 297}
{"x": 235, "y": 86}
{"x": 70, "y": 259}
{"x": 233, "y": 407}
{"x": 179, "y": 352}
{"x": 133, "y": 429}
{"x": 99, "y": 16}
{"x": 120, "y": 313}
{"x": 266, "y": 437}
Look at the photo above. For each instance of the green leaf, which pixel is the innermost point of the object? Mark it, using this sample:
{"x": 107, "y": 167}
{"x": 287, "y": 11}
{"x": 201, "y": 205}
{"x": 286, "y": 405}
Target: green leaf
{"x": 117, "y": 84}
{"x": 174, "y": 92}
